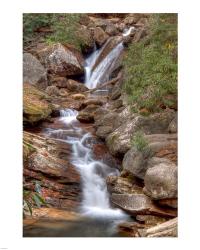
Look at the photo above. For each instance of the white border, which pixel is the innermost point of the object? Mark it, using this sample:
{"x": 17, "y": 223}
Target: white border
{"x": 11, "y": 120}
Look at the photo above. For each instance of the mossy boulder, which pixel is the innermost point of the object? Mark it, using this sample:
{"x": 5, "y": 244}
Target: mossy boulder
{"x": 35, "y": 105}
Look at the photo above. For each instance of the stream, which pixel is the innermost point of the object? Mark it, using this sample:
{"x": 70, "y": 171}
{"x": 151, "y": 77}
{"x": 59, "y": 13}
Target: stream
{"x": 98, "y": 217}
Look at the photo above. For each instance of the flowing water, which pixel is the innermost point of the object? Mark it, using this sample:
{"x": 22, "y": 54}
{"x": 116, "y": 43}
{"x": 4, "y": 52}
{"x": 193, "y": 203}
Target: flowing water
{"x": 101, "y": 218}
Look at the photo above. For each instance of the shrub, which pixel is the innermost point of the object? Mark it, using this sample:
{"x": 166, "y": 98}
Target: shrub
{"x": 64, "y": 28}
{"x": 151, "y": 66}
{"x": 139, "y": 142}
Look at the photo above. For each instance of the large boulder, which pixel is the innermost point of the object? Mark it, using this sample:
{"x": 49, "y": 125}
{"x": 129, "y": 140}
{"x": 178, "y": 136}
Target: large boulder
{"x": 61, "y": 60}
{"x": 135, "y": 162}
{"x": 34, "y": 72}
{"x": 100, "y": 36}
{"x": 161, "y": 181}
{"x": 119, "y": 141}
{"x": 35, "y": 105}
{"x": 136, "y": 204}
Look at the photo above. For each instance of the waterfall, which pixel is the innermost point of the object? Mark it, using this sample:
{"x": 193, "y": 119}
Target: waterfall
{"x": 95, "y": 201}
{"x": 102, "y": 72}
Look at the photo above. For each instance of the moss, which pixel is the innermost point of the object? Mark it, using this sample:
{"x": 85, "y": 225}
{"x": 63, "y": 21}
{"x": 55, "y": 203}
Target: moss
{"x": 35, "y": 107}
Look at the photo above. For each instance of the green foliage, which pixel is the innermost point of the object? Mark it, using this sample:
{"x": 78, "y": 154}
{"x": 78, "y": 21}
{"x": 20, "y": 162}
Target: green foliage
{"x": 30, "y": 200}
{"x": 151, "y": 66}
{"x": 64, "y": 28}
{"x": 139, "y": 142}
{"x": 33, "y": 21}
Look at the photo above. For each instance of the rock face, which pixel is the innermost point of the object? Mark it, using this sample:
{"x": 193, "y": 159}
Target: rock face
{"x": 47, "y": 163}
{"x": 136, "y": 204}
{"x": 161, "y": 181}
{"x": 136, "y": 162}
{"x": 34, "y": 72}
{"x": 100, "y": 36}
{"x": 61, "y": 60}
{"x": 35, "y": 106}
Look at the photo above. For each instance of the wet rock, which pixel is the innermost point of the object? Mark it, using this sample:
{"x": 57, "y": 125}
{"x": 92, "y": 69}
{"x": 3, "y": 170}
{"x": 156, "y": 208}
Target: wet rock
{"x": 61, "y": 60}
{"x": 53, "y": 213}
{"x": 48, "y": 164}
{"x": 161, "y": 181}
{"x": 52, "y": 91}
{"x": 110, "y": 44}
{"x": 75, "y": 86}
{"x": 87, "y": 114}
{"x": 137, "y": 204}
{"x": 35, "y": 105}
{"x": 100, "y": 36}
{"x": 116, "y": 93}
{"x": 34, "y": 72}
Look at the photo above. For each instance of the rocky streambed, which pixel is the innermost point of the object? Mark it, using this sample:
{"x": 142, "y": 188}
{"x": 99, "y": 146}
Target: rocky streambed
{"x": 72, "y": 124}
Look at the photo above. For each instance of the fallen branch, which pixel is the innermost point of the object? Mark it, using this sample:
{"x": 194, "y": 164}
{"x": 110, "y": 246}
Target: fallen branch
{"x": 113, "y": 81}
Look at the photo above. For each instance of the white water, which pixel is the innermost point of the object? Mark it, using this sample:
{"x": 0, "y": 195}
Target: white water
{"x": 95, "y": 201}
{"x": 102, "y": 72}
{"x": 127, "y": 32}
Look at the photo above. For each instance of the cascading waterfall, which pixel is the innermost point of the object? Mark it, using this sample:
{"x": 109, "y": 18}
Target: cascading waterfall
{"x": 95, "y": 202}
{"x": 104, "y": 69}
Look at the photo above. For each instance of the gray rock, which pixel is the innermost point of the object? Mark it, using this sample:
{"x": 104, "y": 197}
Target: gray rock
{"x": 119, "y": 141}
{"x": 61, "y": 60}
{"x": 161, "y": 181}
{"x": 34, "y": 72}
{"x": 100, "y": 36}
{"x": 136, "y": 162}
{"x": 136, "y": 204}
{"x": 111, "y": 30}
